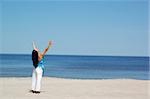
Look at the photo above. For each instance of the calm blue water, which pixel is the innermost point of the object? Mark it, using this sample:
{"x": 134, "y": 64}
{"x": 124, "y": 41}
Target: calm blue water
{"x": 80, "y": 67}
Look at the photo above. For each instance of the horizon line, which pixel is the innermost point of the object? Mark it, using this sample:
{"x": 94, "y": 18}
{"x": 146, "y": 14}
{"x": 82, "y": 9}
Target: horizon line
{"x": 76, "y": 55}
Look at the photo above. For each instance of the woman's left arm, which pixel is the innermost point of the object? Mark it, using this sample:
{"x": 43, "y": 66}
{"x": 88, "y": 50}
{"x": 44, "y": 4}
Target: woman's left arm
{"x": 34, "y": 47}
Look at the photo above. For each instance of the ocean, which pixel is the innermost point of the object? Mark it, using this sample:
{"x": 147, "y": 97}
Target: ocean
{"x": 78, "y": 67}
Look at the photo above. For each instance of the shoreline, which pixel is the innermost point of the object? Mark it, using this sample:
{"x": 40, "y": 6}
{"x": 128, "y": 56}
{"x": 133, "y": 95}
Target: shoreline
{"x": 61, "y": 88}
{"x": 77, "y": 78}
{"x": 68, "y": 78}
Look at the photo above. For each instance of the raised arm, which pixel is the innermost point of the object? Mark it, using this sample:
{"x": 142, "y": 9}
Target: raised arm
{"x": 34, "y": 47}
{"x": 46, "y": 49}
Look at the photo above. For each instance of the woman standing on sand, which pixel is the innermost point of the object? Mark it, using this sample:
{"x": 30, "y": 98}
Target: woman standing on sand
{"x": 38, "y": 69}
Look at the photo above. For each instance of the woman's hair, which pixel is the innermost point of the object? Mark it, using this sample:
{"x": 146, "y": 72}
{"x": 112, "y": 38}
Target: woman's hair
{"x": 35, "y": 58}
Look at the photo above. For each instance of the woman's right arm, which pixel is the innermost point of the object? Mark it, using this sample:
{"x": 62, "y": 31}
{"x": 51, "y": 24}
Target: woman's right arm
{"x": 46, "y": 49}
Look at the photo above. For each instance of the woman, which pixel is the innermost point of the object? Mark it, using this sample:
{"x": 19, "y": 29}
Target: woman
{"x": 38, "y": 70}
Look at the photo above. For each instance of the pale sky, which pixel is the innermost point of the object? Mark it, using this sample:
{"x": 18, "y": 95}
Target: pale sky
{"x": 76, "y": 27}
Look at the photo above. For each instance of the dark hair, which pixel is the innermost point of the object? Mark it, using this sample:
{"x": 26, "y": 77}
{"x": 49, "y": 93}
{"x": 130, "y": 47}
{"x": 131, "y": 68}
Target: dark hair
{"x": 35, "y": 58}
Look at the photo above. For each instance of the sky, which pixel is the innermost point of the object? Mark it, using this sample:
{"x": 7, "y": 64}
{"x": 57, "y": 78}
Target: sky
{"x": 115, "y": 28}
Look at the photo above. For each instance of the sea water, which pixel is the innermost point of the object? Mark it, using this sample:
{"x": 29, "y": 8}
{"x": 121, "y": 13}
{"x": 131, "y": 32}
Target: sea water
{"x": 77, "y": 67}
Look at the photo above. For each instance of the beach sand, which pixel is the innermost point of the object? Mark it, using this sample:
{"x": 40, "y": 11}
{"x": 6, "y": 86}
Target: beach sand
{"x": 59, "y": 88}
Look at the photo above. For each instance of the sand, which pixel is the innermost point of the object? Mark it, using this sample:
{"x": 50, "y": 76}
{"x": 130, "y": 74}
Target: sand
{"x": 59, "y": 88}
